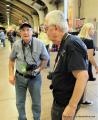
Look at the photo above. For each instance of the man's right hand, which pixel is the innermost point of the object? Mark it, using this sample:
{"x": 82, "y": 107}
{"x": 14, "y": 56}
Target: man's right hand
{"x": 12, "y": 79}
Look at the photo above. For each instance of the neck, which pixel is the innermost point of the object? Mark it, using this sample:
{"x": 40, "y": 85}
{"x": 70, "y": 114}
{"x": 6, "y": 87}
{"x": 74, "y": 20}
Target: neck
{"x": 60, "y": 38}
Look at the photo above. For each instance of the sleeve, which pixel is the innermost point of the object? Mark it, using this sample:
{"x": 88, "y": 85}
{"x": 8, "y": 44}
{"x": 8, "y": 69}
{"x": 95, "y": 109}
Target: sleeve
{"x": 90, "y": 44}
{"x": 13, "y": 54}
{"x": 76, "y": 61}
{"x": 44, "y": 54}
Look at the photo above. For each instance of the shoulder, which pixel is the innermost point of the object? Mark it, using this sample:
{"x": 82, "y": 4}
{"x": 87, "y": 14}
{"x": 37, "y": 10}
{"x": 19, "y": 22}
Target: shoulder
{"x": 37, "y": 41}
{"x": 87, "y": 40}
{"x": 88, "y": 43}
{"x": 74, "y": 42}
{"x": 17, "y": 44}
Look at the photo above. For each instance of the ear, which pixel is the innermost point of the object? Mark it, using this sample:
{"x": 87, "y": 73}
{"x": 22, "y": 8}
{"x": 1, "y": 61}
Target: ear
{"x": 58, "y": 28}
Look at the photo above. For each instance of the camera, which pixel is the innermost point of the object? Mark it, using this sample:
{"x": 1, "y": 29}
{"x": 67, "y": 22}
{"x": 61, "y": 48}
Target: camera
{"x": 50, "y": 76}
{"x": 30, "y": 71}
{"x": 30, "y": 67}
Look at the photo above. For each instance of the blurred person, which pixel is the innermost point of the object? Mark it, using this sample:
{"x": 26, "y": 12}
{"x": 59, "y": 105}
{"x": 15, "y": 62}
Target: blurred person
{"x": 35, "y": 34}
{"x": 86, "y": 34}
{"x": 11, "y": 36}
{"x": 2, "y": 37}
{"x": 30, "y": 56}
{"x": 70, "y": 73}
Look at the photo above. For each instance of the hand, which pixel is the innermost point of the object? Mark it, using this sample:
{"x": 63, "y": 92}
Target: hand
{"x": 12, "y": 79}
{"x": 96, "y": 69}
{"x": 37, "y": 70}
{"x": 68, "y": 113}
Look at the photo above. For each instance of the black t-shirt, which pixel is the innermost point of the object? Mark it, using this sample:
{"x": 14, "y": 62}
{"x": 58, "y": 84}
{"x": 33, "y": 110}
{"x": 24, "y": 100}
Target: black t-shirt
{"x": 89, "y": 43}
{"x": 73, "y": 56}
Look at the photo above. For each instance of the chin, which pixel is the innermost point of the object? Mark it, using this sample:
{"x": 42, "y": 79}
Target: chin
{"x": 26, "y": 40}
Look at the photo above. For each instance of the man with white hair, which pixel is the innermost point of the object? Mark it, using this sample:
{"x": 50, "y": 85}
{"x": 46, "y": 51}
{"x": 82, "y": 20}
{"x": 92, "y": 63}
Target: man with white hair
{"x": 70, "y": 75}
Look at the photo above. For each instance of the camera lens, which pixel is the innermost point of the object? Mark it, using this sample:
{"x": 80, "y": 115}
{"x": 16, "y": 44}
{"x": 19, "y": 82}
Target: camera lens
{"x": 51, "y": 87}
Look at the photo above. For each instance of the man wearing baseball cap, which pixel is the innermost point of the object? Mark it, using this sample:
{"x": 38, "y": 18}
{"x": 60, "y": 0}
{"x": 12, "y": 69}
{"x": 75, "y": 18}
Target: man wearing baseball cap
{"x": 30, "y": 56}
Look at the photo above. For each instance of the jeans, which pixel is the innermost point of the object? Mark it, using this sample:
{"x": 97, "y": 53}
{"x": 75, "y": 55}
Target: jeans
{"x": 3, "y": 42}
{"x": 34, "y": 87}
{"x": 57, "y": 110}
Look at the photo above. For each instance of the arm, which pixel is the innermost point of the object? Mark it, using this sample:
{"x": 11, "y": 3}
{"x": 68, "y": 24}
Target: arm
{"x": 81, "y": 80}
{"x": 42, "y": 65}
{"x": 11, "y": 72}
{"x": 44, "y": 57}
{"x": 92, "y": 59}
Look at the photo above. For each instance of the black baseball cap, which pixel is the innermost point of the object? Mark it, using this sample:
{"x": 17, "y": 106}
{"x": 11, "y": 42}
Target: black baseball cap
{"x": 25, "y": 25}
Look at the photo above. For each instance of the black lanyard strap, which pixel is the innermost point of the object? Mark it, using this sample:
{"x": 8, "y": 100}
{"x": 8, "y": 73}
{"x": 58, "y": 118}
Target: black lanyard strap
{"x": 31, "y": 50}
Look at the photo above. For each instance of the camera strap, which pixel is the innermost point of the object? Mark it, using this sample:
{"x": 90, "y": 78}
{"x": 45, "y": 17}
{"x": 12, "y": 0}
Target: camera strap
{"x": 60, "y": 51}
{"x": 31, "y": 50}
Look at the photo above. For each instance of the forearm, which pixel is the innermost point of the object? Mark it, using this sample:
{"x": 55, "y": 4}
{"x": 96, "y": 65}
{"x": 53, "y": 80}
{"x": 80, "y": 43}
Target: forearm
{"x": 81, "y": 81}
{"x": 11, "y": 67}
{"x": 93, "y": 62}
{"x": 43, "y": 64}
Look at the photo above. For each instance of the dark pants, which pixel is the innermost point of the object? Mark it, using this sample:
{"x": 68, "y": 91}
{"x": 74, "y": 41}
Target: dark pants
{"x": 57, "y": 111}
{"x": 11, "y": 44}
{"x": 90, "y": 71}
{"x": 47, "y": 47}
{"x": 3, "y": 42}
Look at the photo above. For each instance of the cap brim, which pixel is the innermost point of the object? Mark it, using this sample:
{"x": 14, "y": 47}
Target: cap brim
{"x": 25, "y": 25}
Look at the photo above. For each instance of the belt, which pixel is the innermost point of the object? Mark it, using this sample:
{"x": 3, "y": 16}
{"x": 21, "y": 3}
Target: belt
{"x": 26, "y": 76}
{"x": 20, "y": 73}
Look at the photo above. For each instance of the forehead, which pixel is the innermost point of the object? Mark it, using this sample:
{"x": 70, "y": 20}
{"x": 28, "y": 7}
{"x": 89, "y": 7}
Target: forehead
{"x": 26, "y": 28}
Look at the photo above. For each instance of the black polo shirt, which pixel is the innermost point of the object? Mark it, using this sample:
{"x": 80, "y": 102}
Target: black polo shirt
{"x": 72, "y": 56}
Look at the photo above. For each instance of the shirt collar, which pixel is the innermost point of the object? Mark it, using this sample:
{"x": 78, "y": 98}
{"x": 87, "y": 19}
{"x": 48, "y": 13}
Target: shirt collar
{"x": 63, "y": 40}
{"x": 26, "y": 44}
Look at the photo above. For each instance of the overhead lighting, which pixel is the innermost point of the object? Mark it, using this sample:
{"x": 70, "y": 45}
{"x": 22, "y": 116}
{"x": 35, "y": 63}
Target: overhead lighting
{"x": 7, "y": 12}
{"x": 8, "y": 0}
{"x": 8, "y": 5}
{"x": 8, "y": 9}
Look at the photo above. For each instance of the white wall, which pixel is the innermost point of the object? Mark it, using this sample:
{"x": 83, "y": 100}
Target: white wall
{"x": 89, "y": 10}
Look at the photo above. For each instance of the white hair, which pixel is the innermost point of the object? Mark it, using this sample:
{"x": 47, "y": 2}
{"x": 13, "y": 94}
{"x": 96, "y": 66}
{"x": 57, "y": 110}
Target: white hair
{"x": 56, "y": 17}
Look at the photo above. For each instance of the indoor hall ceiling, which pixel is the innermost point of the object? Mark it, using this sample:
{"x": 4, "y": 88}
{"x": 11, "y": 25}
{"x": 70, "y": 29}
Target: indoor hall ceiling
{"x": 3, "y": 18}
{"x": 42, "y": 5}
{"x": 27, "y": 8}
{"x": 55, "y": 1}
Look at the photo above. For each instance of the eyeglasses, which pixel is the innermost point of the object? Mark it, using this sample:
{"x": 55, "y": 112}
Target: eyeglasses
{"x": 46, "y": 27}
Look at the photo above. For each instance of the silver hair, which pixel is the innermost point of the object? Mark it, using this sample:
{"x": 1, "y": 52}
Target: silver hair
{"x": 56, "y": 17}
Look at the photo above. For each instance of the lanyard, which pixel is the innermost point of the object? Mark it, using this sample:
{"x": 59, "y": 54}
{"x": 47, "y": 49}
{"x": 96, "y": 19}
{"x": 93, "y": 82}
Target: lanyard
{"x": 31, "y": 50}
